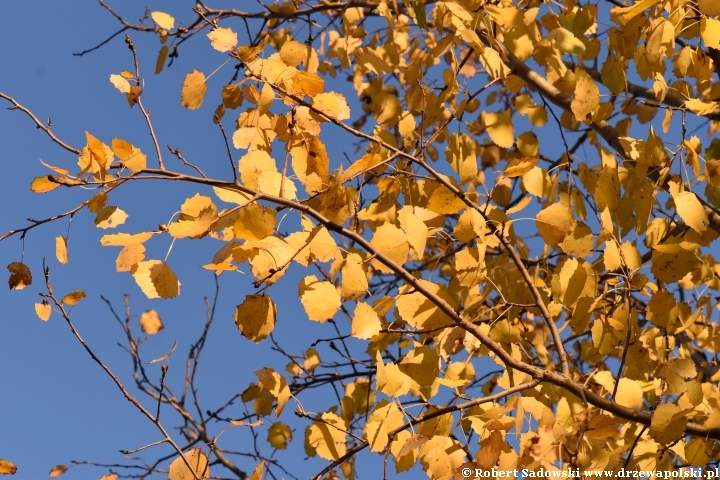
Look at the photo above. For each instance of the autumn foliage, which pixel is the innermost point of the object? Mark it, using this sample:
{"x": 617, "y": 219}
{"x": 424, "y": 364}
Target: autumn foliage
{"x": 514, "y": 262}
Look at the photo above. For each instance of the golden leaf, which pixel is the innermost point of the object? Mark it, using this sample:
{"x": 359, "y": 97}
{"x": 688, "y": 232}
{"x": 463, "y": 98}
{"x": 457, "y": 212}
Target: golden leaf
{"x": 520, "y": 166}
{"x": 365, "y": 322}
{"x": 44, "y": 184}
{"x": 120, "y": 83}
{"x": 500, "y": 129}
{"x": 391, "y": 242}
{"x": 156, "y": 279}
{"x": 110, "y": 217}
{"x": 278, "y": 435}
{"x": 43, "y": 310}
{"x": 691, "y": 211}
{"x": 223, "y": 39}
{"x": 255, "y": 317}
{"x": 197, "y": 214}
{"x": 319, "y": 298}
{"x": 163, "y": 20}
{"x": 7, "y": 468}
{"x": 73, "y": 298}
{"x": 198, "y": 462}
{"x": 332, "y": 105}
{"x": 193, "y": 90}
{"x": 554, "y": 223}
{"x": 61, "y": 252}
{"x": 150, "y": 322}
{"x": 326, "y": 438}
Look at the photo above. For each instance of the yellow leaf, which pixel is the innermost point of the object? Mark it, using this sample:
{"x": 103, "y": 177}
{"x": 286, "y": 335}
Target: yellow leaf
{"x": 252, "y": 165}
{"x": 232, "y": 196}
{"x": 311, "y": 164}
{"x": 197, "y": 460}
{"x": 320, "y": 299}
{"x": 124, "y": 239}
{"x": 110, "y": 217}
{"x": 100, "y": 152}
{"x": 711, "y": 8}
{"x": 675, "y": 372}
{"x": 710, "y": 30}
{"x": 258, "y": 472}
{"x": 566, "y": 42}
{"x": 276, "y": 384}
{"x": 354, "y": 278}
{"x": 73, "y": 298}
{"x": 602, "y": 426}
{"x": 326, "y": 438}
{"x": 699, "y": 107}
{"x": 129, "y": 155}
{"x": 193, "y": 90}
{"x": 7, "y": 468}
{"x": 331, "y": 104}
{"x": 156, "y": 279}
{"x": 269, "y": 182}
{"x": 150, "y": 322}
{"x": 415, "y": 229}
{"x": 20, "y": 276}
{"x": 698, "y": 452}
{"x": 671, "y": 263}
{"x": 120, "y": 83}
{"x": 162, "y": 56}
{"x": 255, "y": 317}
{"x": 392, "y": 242}
{"x": 44, "y": 184}
{"x": 628, "y": 13}
{"x": 668, "y": 423}
{"x": 43, "y": 310}
{"x": 520, "y": 166}
{"x": 500, "y": 129}
{"x": 470, "y": 225}
{"x": 554, "y": 223}
{"x": 293, "y": 53}
{"x": 163, "y": 20}
{"x": 365, "y": 322}
{"x": 691, "y": 211}
{"x": 385, "y": 418}
{"x": 278, "y": 435}
{"x": 112, "y": 476}
{"x": 254, "y": 222}
{"x": 629, "y": 394}
{"x": 310, "y": 84}
{"x": 712, "y": 172}
{"x": 223, "y": 39}
{"x": 443, "y": 201}
{"x": 232, "y": 96}
{"x": 390, "y": 379}
{"x": 197, "y": 215}
{"x": 97, "y": 202}
{"x": 57, "y": 470}
{"x": 61, "y": 252}
{"x": 587, "y": 97}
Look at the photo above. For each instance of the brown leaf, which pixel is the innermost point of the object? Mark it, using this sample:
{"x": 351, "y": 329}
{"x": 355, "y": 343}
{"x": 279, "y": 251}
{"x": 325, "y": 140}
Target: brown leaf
{"x": 20, "y": 276}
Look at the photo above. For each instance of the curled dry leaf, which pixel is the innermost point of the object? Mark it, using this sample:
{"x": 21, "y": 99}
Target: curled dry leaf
{"x": 7, "y": 468}
{"x": 20, "y": 276}
{"x": 57, "y": 470}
